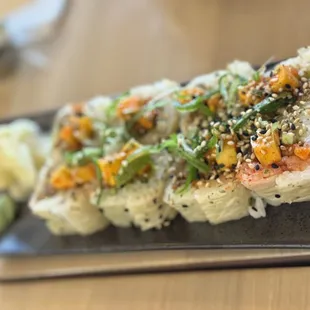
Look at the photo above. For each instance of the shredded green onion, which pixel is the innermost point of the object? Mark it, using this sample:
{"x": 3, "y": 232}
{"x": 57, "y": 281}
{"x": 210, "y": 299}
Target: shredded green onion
{"x": 268, "y": 105}
{"x": 191, "y": 176}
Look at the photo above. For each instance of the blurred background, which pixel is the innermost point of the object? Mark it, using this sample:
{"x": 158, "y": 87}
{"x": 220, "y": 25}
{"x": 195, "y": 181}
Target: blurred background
{"x": 55, "y": 51}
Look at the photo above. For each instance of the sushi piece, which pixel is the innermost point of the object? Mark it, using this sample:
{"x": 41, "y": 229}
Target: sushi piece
{"x": 133, "y": 186}
{"x": 279, "y": 170}
{"x": 87, "y": 124}
{"x": 147, "y": 113}
{"x": 62, "y": 199}
{"x": 198, "y": 197}
{"x": 205, "y": 188}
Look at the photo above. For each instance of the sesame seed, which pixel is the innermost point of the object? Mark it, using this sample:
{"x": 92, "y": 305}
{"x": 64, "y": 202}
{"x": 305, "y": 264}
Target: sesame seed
{"x": 293, "y": 127}
{"x": 263, "y": 152}
{"x": 248, "y": 160}
{"x": 277, "y": 196}
{"x": 274, "y": 95}
{"x": 304, "y": 79}
{"x": 282, "y": 147}
{"x": 305, "y": 85}
{"x": 284, "y": 127}
{"x": 203, "y": 143}
{"x": 302, "y": 102}
{"x": 300, "y": 132}
{"x": 252, "y": 156}
{"x": 254, "y": 138}
{"x": 275, "y": 166}
{"x": 263, "y": 131}
{"x": 207, "y": 184}
{"x": 296, "y": 107}
{"x": 231, "y": 143}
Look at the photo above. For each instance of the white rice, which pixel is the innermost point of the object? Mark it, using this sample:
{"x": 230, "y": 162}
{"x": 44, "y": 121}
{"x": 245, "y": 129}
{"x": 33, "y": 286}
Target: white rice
{"x": 216, "y": 203}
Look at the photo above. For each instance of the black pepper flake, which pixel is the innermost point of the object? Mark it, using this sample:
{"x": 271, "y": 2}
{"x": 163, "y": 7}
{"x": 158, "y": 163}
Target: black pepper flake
{"x": 273, "y": 120}
{"x": 271, "y": 74}
{"x": 277, "y": 196}
{"x": 263, "y": 131}
{"x": 185, "y": 206}
{"x": 126, "y": 210}
{"x": 233, "y": 166}
{"x": 161, "y": 217}
{"x": 245, "y": 133}
{"x": 154, "y": 201}
{"x": 293, "y": 127}
{"x": 257, "y": 167}
{"x": 160, "y": 207}
{"x": 287, "y": 86}
{"x": 275, "y": 166}
{"x": 146, "y": 220}
{"x": 254, "y": 138}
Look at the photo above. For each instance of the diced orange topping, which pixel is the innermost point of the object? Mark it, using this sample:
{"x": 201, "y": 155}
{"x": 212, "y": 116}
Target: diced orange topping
{"x": 129, "y": 106}
{"x": 186, "y": 95}
{"x": 75, "y": 131}
{"x": 214, "y": 102}
{"x": 268, "y": 151}
{"x": 84, "y": 174}
{"x": 228, "y": 155}
{"x": 62, "y": 178}
{"x": 302, "y": 152}
{"x": 246, "y": 97}
{"x": 111, "y": 165}
{"x": 146, "y": 123}
{"x": 132, "y": 105}
{"x": 65, "y": 177}
{"x": 78, "y": 107}
{"x": 66, "y": 134}
{"x": 286, "y": 78}
{"x": 85, "y": 127}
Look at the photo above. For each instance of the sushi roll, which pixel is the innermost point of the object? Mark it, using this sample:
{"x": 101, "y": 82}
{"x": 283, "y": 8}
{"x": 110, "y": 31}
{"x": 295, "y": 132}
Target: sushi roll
{"x": 133, "y": 186}
{"x": 278, "y": 117}
{"x": 147, "y": 113}
{"x": 62, "y": 199}
{"x": 87, "y": 124}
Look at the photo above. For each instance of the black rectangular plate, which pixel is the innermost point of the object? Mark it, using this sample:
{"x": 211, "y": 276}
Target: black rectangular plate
{"x": 286, "y": 226}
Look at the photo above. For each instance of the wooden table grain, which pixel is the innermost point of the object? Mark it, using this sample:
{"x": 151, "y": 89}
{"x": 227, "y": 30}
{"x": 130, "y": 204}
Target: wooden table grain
{"x": 107, "y": 46}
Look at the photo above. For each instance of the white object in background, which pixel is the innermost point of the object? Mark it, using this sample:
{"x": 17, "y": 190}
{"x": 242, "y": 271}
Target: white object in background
{"x": 33, "y": 22}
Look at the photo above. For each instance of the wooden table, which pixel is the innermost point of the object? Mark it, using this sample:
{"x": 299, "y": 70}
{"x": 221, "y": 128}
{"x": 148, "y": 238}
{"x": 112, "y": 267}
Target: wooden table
{"x": 107, "y": 46}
